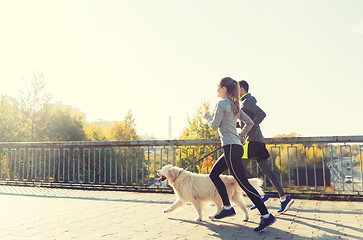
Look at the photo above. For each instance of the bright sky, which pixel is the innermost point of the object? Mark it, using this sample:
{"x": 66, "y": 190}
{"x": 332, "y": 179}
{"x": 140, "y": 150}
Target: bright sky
{"x": 302, "y": 59}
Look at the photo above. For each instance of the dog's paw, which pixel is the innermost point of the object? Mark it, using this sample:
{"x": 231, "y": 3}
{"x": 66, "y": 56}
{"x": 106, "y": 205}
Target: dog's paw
{"x": 198, "y": 219}
{"x": 166, "y": 210}
{"x": 246, "y": 219}
{"x": 211, "y": 217}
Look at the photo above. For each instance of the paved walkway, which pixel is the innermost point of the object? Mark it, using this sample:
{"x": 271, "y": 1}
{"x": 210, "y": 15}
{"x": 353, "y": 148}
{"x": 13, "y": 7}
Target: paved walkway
{"x": 43, "y": 213}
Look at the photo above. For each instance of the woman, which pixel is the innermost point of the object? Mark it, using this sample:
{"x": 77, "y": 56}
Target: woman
{"x": 225, "y": 118}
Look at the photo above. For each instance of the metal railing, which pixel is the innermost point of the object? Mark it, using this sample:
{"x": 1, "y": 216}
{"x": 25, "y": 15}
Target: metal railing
{"x": 323, "y": 164}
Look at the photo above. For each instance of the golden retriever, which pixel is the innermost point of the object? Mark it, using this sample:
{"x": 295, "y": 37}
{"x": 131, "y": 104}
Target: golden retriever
{"x": 198, "y": 189}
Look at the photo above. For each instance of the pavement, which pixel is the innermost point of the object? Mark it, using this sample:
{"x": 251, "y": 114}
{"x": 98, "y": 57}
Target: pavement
{"x": 48, "y": 213}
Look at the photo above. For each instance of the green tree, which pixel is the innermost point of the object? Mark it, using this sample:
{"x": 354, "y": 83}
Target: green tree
{"x": 198, "y": 129}
{"x": 10, "y": 124}
{"x": 125, "y": 130}
{"x": 95, "y": 133}
{"x": 134, "y": 158}
{"x": 61, "y": 124}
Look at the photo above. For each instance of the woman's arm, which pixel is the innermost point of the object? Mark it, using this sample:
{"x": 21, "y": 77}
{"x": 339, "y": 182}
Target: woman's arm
{"x": 218, "y": 116}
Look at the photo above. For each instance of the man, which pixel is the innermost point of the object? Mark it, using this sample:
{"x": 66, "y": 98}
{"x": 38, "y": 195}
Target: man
{"x": 255, "y": 147}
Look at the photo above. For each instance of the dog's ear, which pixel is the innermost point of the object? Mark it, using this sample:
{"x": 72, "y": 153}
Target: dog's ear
{"x": 174, "y": 172}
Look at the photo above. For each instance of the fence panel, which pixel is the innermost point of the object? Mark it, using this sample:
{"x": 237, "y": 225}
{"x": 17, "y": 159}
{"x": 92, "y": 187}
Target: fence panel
{"x": 325, "y": 164}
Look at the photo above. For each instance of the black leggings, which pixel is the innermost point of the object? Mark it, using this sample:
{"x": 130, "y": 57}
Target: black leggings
{"x": 232, "y": 160}
{"x": 266, "y": 170}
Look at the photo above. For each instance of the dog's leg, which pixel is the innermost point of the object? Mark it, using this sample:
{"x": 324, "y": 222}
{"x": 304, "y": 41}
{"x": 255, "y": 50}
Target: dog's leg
{"x": 237, "y": 199}
{"x": 198, "y": 207}
{"x": 173, "y": 206}
{"x": 219, "y": 206}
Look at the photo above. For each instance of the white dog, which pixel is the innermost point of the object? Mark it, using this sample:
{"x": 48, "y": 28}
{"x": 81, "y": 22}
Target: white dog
{"x": 199, "y": 189}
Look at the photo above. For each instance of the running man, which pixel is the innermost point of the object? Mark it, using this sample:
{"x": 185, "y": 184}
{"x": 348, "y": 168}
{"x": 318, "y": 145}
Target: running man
{"x": 256, "y": 148}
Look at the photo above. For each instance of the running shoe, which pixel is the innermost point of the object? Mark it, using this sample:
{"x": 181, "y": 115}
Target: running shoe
{"x": 265, "y": 199}
{"x": 225, "y": 213}
{"x": 285, "y": 205}
{"x": 265, "y": 222}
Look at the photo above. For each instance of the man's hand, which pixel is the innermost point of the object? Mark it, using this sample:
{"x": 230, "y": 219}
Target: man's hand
{"x": 243, "y": 139}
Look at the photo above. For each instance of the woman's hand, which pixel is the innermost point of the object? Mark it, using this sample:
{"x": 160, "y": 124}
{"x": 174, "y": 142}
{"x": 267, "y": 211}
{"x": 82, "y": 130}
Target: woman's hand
{"x": 206, "y": 114}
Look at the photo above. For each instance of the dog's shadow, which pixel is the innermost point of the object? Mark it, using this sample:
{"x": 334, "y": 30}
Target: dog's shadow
{"x": 227, "y": 230}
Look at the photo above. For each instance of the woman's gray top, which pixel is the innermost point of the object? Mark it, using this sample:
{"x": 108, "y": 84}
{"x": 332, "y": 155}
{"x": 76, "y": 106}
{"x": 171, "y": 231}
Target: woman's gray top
{"x": 225, "y": 121}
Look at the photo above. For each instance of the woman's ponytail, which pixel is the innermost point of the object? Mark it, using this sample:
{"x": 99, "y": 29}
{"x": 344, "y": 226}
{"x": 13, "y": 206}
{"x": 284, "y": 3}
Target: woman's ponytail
{"x": 233, "y": 90}
{"x": 235, "y": 98}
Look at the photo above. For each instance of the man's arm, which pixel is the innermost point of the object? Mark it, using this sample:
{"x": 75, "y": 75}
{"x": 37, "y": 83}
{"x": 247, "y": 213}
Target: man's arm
{"x": 247, "y": 125}
{"x": 257, "y": 111}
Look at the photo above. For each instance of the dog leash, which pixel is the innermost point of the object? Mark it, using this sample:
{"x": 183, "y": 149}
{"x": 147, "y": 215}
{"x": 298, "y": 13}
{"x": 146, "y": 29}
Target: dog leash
{"x": 203, "y": 158}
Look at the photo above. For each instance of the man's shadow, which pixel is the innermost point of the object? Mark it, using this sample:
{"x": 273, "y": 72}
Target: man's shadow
{"x": 227, "y": 230}
{"x": 300, "y": 220}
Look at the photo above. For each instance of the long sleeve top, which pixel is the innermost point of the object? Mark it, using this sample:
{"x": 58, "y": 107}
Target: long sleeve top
{"x": 249, "y": 106}
{"x": 225, "y": 121}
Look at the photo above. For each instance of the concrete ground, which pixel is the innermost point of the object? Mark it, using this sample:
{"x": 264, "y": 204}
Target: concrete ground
{"x": 45, "y": 213}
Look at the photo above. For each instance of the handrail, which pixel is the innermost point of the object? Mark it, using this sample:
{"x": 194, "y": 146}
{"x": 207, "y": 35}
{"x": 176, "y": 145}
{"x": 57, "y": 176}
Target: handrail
{"x": 196, "y": 142}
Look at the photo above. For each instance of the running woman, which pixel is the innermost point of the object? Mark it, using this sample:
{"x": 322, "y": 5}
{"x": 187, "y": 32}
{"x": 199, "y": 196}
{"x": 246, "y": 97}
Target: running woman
{"x": 255, "y": 147}
{"x": 225, "y": 119}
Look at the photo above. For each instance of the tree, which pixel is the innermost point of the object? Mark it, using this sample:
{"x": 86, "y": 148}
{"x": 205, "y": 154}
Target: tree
{"x": 95, "y": 133}
{"x": 305, "y": 153}
{"x": 10, "y": 124}
{"x": 61, "y": 124}
{"x": 34, "y": 100}
{"x": 125, "y": 130}
{"x": 199, "y": 129}
{"x": 133, "y": 158}
{"x": 295, "y": 156}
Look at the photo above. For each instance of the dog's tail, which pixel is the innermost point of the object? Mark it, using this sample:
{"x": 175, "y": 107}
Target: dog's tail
{"x": 257, "y": 184}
